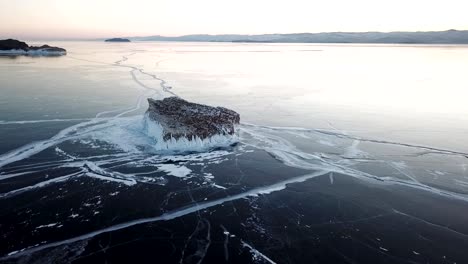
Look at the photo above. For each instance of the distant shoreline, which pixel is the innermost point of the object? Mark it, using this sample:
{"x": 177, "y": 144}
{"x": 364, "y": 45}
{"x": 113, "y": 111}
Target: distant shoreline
{"x": 431, "y": 37}
{"x": 448, "y": 37}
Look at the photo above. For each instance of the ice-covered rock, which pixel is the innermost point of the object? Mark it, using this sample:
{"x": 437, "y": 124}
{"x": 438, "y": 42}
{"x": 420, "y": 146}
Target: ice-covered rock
{"x": 175, "y": 123}
{"x": 16, "y": 47}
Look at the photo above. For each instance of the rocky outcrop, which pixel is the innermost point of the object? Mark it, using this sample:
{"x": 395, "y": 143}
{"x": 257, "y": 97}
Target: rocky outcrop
{"x": 182, "y": 119}
{"x": 117, "y": 40}
{"x": 16, "y": 47}
{"x": 13, "y": 44}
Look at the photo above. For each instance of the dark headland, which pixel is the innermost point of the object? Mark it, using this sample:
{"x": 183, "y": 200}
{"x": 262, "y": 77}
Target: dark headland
{"x": 16, "y": 47}
{"x": 117, "y": 40}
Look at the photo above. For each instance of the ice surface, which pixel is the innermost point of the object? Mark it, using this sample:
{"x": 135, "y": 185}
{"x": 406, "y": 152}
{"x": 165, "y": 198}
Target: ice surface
{"x": 175, "y": 213}
{"x": 138, "y": 153}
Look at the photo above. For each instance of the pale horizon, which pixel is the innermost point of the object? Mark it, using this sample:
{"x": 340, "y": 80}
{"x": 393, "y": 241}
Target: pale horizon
{"x": 86, "y": 19}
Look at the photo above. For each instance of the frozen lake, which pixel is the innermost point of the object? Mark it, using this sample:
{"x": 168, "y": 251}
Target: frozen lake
{"x": 345, "y": 154}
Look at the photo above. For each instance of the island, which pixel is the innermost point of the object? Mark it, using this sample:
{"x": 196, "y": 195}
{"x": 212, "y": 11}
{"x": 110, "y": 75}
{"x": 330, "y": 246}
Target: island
{"x": 177, "y": 124}
{"x": 16, "y": 47}
{"x": 117, "y": 40}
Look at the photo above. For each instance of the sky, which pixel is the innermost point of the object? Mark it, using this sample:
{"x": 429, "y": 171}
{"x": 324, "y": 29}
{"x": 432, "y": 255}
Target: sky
{"x": 62, "y": 19}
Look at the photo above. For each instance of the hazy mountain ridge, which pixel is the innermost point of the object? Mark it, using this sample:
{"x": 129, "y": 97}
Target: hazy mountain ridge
{"x": 430, "y": 37}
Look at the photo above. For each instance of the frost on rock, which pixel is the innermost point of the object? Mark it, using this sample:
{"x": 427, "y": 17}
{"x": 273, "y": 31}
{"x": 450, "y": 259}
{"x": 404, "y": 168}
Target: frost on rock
{"x": 176, "y": 124}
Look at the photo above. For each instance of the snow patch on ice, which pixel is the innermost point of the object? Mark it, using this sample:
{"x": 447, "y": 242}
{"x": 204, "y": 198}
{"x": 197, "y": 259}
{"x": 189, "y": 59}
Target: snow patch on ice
{"x": 353, "y": 151}
{"x": 219, "y": 186}
{"x": 175, "y": 170}
{"x": 257, "y": 255}
{"x": 202, "y": 156}
{"x": 63, "y": 153}
{"x": 400, "y": 164}
{"x": 48, "y": 225}
{"x": 384, "y": 249}
{"x": 326, "y": 143}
